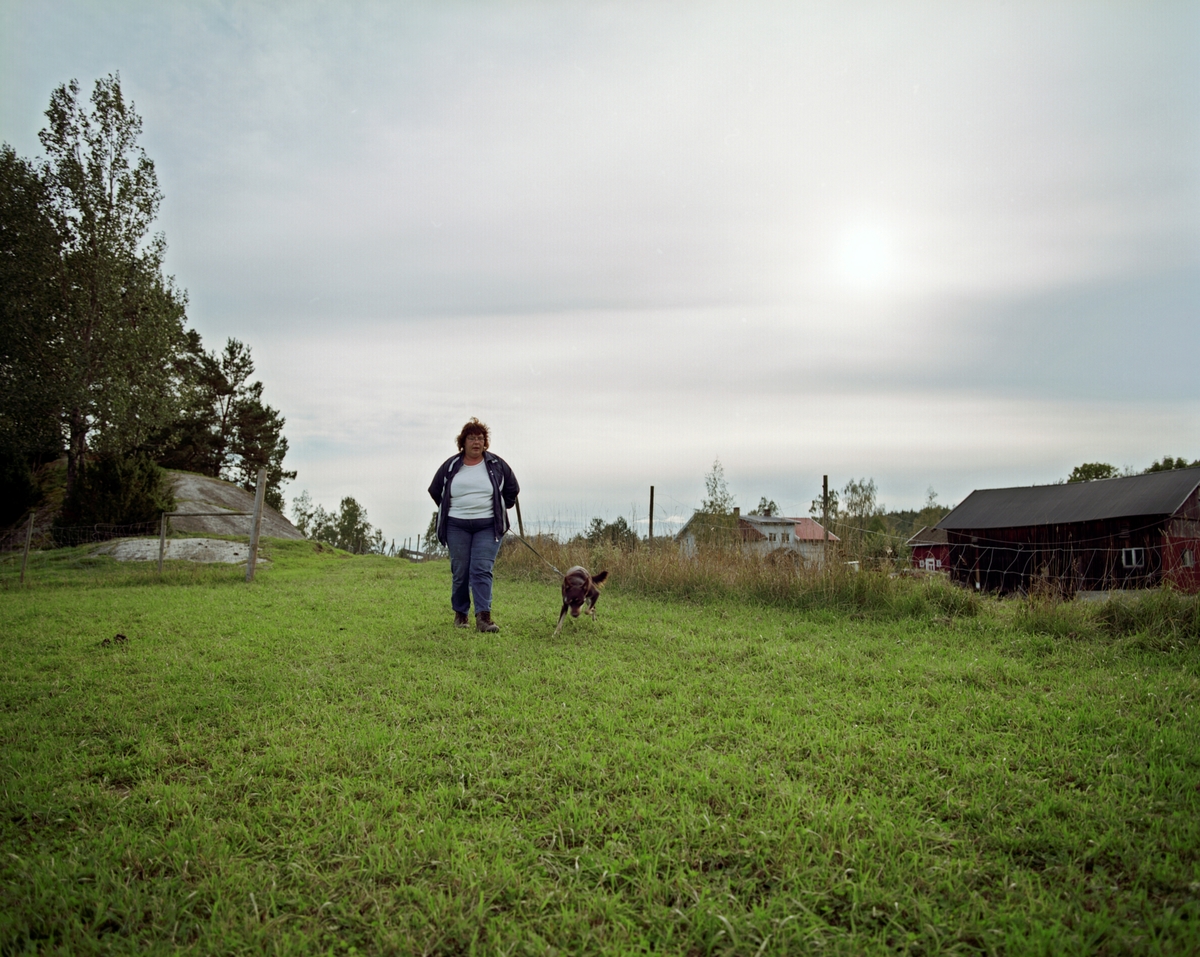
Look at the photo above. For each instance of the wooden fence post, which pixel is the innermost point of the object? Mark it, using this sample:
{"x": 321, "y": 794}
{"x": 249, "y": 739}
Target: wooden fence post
{"x": 520, "y": 524}
{"x": 825, "y": 522}
{"x": 260, "y": 490}
{"x": 28, "y": 539}
{"x": 162, "y": 542}
{"x": 650, "y": 537}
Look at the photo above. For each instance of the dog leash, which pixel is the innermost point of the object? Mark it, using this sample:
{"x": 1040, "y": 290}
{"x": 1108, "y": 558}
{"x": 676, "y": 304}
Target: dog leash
{"x": 534, "y": 550}
{"x": 521, "y": 536}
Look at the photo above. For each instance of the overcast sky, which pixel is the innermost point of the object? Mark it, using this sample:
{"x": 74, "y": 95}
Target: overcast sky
{"x": 939, "y": 244}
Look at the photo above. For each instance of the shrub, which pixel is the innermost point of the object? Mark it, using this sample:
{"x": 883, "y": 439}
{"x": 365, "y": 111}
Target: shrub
{"x": 1163, "y": 616}
{"x": 113, "y": 490}
{"x": 18, "y": 490}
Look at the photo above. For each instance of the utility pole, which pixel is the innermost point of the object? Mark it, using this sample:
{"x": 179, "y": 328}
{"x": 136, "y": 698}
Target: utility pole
{"x": 825, "y": 520}
{"x": 651, "y": 537}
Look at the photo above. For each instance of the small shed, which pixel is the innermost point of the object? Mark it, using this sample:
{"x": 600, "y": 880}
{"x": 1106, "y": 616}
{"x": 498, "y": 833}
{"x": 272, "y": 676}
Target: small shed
{"x": 930, "y": 549}
{"x": 1137, "y": 531}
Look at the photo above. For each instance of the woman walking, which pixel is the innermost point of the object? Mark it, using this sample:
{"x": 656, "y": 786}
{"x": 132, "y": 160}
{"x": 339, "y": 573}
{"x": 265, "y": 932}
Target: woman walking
{"x": 473, "y": 491}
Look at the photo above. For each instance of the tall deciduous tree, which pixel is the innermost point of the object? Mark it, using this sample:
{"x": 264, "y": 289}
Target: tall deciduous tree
{"x": 1091, "y": 471}
{"x": 858, "y": 500}
{"x": 718, "y": 499}
{"x": 1167, "y": 464}
{"x": 766, "y": 506}
{"x": 121, "y": 321}
{"x": 826, "y": 506}
{"x": 29, "y": 305}
{"x": 619, "y": 533}
{"x": 714, "y": 523}
{"x": 346, "y": 528}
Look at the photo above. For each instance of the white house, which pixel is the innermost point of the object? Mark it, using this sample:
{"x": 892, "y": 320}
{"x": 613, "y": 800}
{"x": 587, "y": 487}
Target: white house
{"x": 765, "y": 534}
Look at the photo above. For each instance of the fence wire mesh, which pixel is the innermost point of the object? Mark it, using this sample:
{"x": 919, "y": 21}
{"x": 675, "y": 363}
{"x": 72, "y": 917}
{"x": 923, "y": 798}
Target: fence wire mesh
{"x": 66, "y": 536}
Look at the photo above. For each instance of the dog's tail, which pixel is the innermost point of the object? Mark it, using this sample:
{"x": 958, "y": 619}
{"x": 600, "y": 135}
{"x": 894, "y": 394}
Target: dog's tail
{"x": 600, "y": 577}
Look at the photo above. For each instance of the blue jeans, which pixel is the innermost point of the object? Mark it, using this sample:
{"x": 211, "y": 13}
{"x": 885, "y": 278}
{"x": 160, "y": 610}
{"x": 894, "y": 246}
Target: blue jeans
{"x": 473, "y": 549}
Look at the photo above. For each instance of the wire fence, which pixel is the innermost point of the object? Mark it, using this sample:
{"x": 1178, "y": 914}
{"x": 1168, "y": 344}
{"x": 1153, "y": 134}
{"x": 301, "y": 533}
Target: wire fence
{"x": 55, "y": 535}
{"x": 1073, "y": 567}
{"x": 1144, "y": 556}
{"x": 66, "y": 536}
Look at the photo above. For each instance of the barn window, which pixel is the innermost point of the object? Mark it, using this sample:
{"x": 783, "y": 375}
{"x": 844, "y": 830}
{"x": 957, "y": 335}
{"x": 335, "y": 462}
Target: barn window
{"x": 772, "y": 538}
{"x": 1187, "y": 559}
{"x": 787, "y": 536}
{"x": 1133, "y": 557}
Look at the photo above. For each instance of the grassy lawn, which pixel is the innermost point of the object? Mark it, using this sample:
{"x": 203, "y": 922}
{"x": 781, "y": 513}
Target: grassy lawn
{"x": 319, "y": 763}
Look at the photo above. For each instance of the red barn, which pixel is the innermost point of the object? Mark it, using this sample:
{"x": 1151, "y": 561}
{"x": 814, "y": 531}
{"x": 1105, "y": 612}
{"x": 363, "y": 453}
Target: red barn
{"x": 1133, "y": 532}
{"x": 930, "y": 549}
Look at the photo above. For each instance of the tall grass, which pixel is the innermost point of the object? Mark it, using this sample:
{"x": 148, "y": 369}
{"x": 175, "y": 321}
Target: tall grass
{"x": 1156, "y": 619}
{"x": 718, "y": 572}
{"x": 1160, "y": 619}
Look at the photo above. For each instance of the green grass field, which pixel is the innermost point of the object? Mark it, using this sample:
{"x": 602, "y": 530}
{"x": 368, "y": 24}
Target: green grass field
{"x": 319, "y": 763}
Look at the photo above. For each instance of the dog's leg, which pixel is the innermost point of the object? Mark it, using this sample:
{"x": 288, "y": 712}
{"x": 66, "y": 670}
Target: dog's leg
{"x": 561, "y": 615}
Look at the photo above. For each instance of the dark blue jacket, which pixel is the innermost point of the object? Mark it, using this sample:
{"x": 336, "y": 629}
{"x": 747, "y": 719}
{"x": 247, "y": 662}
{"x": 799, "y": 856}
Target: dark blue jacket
{"x": 504, "y": 491}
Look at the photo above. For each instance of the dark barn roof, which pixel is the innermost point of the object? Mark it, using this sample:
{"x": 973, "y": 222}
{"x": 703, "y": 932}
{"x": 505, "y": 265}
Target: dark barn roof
{"x": 1159, "y": 493}
{"x": 928, "y": 536}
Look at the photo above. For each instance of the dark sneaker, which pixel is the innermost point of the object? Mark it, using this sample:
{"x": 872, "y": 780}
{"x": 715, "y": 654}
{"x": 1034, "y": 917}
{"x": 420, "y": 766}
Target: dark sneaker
{"x": 461, "y": 620}
{"x": 483, "y": 622}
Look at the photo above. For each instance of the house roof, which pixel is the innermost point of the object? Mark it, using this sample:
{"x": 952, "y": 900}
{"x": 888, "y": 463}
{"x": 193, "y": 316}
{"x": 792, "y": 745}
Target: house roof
{"x": 767, "y": 521}
{"x": 801, "y": 529}
{"x": 808, "y": 530}
{"x": 1159, "y": 493}
{"x": 928, "y": 536}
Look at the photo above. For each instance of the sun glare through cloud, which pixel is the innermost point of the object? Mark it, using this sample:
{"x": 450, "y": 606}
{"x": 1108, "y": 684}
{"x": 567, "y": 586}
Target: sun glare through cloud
{"x": 864, "y": 257}
{"x": 671, "y": 237}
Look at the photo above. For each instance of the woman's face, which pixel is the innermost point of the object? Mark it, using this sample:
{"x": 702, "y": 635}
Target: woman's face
{"x": 473, "y": 445}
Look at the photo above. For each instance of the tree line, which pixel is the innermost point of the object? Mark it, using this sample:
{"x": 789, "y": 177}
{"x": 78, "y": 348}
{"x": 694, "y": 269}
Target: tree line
{"x": 346, "y": 528}
{"x": 1091, "y": 471}
{"x": 96, "y": 361}
{"x": 866, "y": 528}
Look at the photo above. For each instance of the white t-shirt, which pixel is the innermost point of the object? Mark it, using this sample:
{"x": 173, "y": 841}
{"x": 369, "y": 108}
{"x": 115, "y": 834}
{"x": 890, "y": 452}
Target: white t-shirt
{"x": 471, "y": 493}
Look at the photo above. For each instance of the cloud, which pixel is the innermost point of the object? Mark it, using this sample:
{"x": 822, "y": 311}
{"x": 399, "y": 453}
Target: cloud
{"x": 616, "y": 233}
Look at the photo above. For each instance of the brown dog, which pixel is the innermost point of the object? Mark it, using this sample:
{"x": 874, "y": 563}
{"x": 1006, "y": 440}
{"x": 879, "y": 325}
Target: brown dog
{"x": 579, "y": 589}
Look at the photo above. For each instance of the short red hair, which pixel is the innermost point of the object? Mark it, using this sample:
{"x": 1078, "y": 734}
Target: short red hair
{"x": 473, "y": 427}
